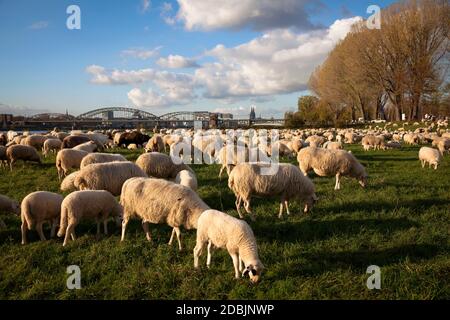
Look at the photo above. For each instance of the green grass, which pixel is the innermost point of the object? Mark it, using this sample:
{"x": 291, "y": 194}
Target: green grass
{"x": 401, "y": 223}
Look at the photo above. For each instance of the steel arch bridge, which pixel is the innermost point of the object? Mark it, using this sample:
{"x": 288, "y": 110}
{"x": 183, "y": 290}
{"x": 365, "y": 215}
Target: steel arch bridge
{"x": 118, "y": 113}
{"x": 186, "y": 116}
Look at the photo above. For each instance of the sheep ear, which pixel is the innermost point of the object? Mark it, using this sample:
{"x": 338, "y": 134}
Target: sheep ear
{"x": 245, "y": 273}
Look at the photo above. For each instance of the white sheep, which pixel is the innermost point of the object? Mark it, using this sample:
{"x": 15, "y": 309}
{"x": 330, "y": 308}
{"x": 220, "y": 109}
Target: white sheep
{"x": 219, "y": 230}
{"x": 8, "y": 205}
{"x": 89, "y": 147}
{"x": 68, "y": 184}
{"x": 247, "y": 180}
{"x": 159, "y": 165}
{"x": 20, "y": 152}
{"x": 187, "y": 178}
{"x": 91, "y": 204}
{"x": 67, "y": 159}
{"x": 107, "y": 176}
{"x": 51, "y": 145}
{"x": 37, "y": 208}
{"x": 326, "y": 162}
{"x": 101, "y": 158}
{"x": 430, "y": 156}
{"x": 159, "y": 201}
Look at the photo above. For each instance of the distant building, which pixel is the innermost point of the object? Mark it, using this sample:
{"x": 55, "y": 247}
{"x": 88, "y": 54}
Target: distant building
{"x": 5, "y": 119}
{"x": 252, "y": 114}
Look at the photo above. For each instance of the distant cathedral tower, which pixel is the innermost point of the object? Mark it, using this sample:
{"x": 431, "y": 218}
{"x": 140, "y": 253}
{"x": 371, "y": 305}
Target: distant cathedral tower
{"x": 252, "y": 113}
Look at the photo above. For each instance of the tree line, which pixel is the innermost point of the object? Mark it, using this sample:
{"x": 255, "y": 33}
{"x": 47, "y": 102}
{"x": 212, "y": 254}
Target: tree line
{"x": 399, "y": 69}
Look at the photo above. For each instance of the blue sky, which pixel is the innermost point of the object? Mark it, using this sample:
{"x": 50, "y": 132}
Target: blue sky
{"x": 163, "y": 56}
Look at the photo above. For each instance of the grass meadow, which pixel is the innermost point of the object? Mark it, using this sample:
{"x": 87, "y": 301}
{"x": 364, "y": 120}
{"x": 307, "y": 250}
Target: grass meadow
{"x": 400, "y": 222}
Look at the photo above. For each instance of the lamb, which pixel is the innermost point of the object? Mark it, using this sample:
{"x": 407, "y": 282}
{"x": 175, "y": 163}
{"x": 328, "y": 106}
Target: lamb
{"x": 67, "y": 159}
{"x": 79, "y": 205}
{"x": 332, "y": 162}
{"x": 159, "y": 165}
{"x": 68, "y": 184}
{"x": 246, "y": 180}
{"x": 37, "y": 208}
{"x": 51, "y": 145}
{"x": 8, "y": 205}
{"x": 107, "y": 176}
{"x": 187, "y": 178}
{"x": 220, "y": 230}
{"x": 160, "y": 201}
{"x": 89, "y": 147}
{"x": 430, "y": 156}
{"x": 155, "y": 144}
{"x": 20, "y": 152}
{"x": 101, "y": 158}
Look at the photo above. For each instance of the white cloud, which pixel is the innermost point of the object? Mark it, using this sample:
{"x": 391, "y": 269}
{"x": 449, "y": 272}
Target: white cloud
{"x": 39, "y": 25}
{"x": 177, "y": 62}
{"x": 145, "y": 5}
{"x": 234, "y": 14}
{"x": 166, "y": 13}
{"x": 140, "y": 53}
{"x": 278, "y": 62}
{"x": 117, "y": 77}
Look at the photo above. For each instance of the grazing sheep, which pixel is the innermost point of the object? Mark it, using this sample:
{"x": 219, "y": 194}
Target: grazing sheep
{"x": 220, "y": 230}
{"x": 37, "y": 208}
{"x": 411, "y": 139}
{"x": 132, "y": 146}
{"x": 67, "y": 159}
{"x": 159, "y": 165}
{"x": 371, "y": 141}
{"x": 8, "y": 205}
{"x": 78, "y": 205}
{"x": 36, "y": 141}
{"x": 315, "y": 141}
{"x": 297, "y": 144}
{"x": 246, "y": 180}
{"x": 101, "y": 158}
{"x": 107, "y": 176}
{"x": 333, "y": 145}
{"x": 230, "y": 155}
{"x": 187, "y": 178}
{"x": 51, "y": 145}
{"x": 68, "y": 184}
{"x": 20, "y": 152}
{"x": 155, "y": 144}
{"x": 73, "y": 141}
{"x": 444, "y": 146}
{"x": 168, "y": 140}
{"x": 392, "y": 145}
{"x": 159, "y": 201}
{"x": 89, "y": 147}
{"x": 430, "y": 156}
{"x": 332, "y": 162}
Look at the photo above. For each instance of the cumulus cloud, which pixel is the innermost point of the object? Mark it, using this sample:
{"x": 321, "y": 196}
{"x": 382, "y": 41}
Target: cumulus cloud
{"x": 166, "y": 13}
{"x": 234, "y": 14}
{"x": 118, "y": 77}
{"x": 177, "y": 62}
{"x": 140, "y": 53}
{"x": 278, "y": 62}
{"x": 39, "y": 25}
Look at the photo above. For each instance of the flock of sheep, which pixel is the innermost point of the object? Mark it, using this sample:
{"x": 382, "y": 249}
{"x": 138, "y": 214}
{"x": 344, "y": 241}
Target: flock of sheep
{"x": 158, "y": 190}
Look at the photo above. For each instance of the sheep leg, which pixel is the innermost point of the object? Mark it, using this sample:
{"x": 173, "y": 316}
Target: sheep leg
{"x": 54, "y": 225}
{"x": 280, "y": 215}
{"x": 238, "y": 206}
{"x": 69, "y": 234}
{"x": 220, "y": 173}
{"x": 235, "y": 258}
{"x": 198, "y": 250}
{"x": 208, "y": 259}
{"x": 338, "y": 182}
{"x": 423, "y": 163}
{"x": 145, "y": 226}
{"x": 124, "y": 227}
{"x": 286, "y": 203}
{"x": 241, "y": 265}
{"x": 249, "y": 210}
{"x": 40, "y": 232}
{"x": 105, "y": 226}
{"x": 98, "y": 227}
{"x": 178, "y": 232}
{"x": 24, "y": 229}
